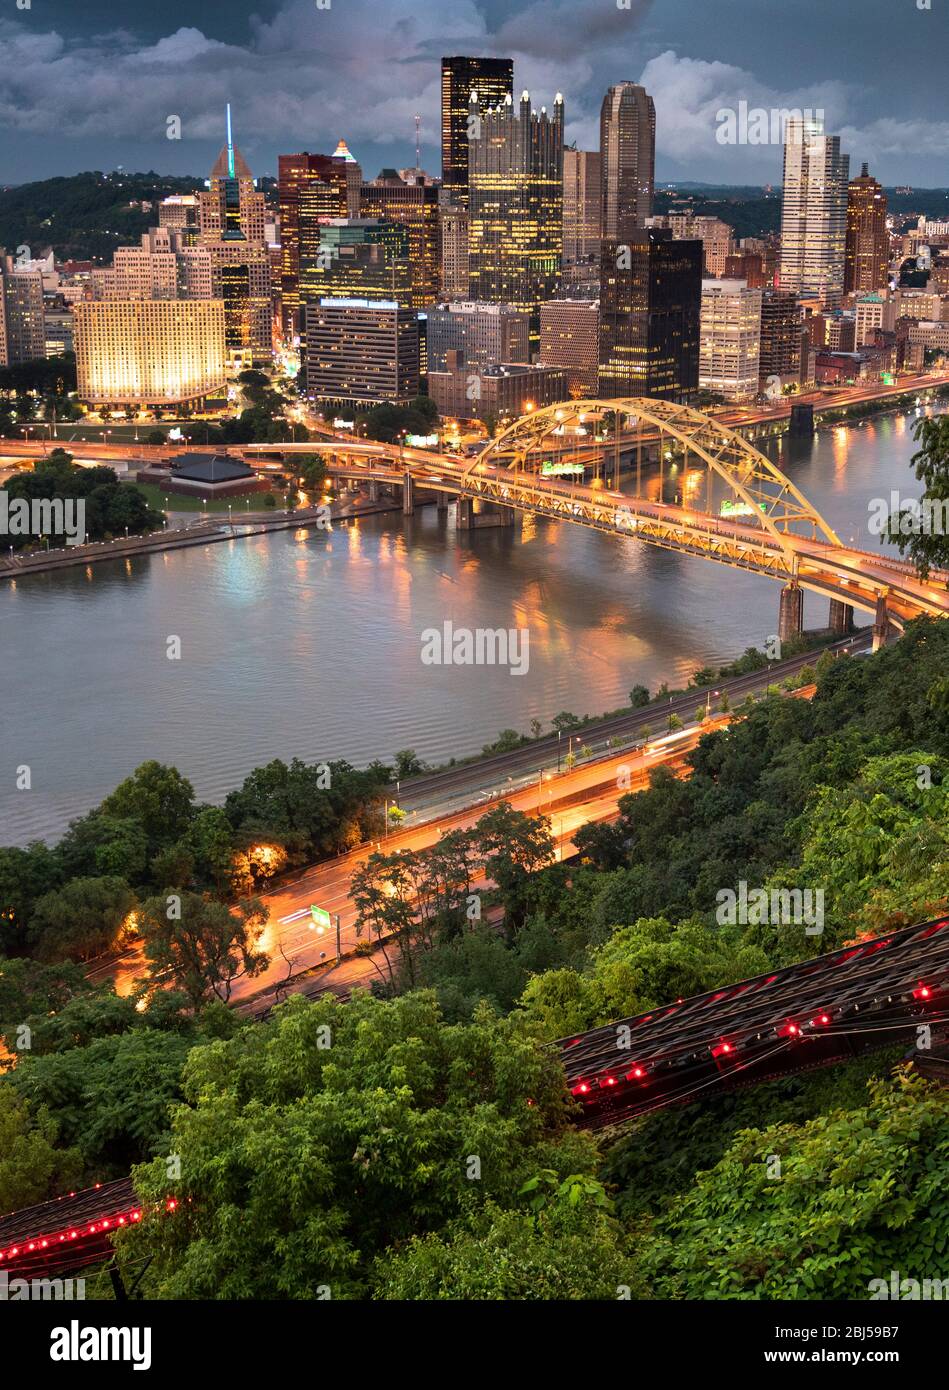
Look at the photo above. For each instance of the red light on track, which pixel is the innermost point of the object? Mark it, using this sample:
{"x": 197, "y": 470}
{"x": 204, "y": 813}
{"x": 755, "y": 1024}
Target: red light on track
{"x": 722, "y": 1049}
{"x": 636, "y": 1074}
{"x": 609, "y": 1081}
{"x": 923, "y": 992}
{"x": 789, "y": 1030}
{"x": 820, "y": 1019}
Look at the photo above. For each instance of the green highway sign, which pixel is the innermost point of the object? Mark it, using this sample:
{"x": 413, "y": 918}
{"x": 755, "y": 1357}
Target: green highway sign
{"x": 321, "y": 917}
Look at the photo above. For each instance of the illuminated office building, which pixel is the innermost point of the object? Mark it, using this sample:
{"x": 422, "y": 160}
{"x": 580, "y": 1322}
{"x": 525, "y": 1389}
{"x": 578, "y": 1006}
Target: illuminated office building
{"x": 486, "y": 333}
{"x": 730, "y": 339}
{"x": 22, "y": 325}
{"x": 358, "y": 258}
{"x": 149, "y": 352}
{"x": 570, "y": 338}
{"x": 515, "y": 181}
{"x": 814, "y": 213}
{"x": 415, "y": 206}
{"x": 628, "y": 159}
{"x": 866, "y": 263}
{"x": 490, "y": 80}
{"x": 361, "y": 353}
{"x": 322, "y": 181}
{"x": 650, "y": 303}
{"x": 454, "y": 233}
{"x": 582, "y": 206}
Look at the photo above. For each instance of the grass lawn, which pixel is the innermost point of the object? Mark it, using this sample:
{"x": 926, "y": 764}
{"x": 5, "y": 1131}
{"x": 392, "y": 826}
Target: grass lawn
{"x": 176, "y": 503}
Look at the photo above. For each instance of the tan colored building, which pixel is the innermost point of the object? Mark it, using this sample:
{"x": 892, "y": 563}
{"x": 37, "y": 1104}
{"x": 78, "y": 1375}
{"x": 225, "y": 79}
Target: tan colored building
{"x": 570, "y": 338}
{"x": 730, "y": 339}
{"x": 149, "y": 352}
{"x": 454, "y": 252}
{"x": 494, "y": 393}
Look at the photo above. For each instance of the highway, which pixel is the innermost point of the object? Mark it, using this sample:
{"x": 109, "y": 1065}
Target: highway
{"x": 589, "y": 792}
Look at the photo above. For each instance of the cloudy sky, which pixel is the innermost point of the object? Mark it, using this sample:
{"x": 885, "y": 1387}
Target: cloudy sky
{"x": 91, "y": 85}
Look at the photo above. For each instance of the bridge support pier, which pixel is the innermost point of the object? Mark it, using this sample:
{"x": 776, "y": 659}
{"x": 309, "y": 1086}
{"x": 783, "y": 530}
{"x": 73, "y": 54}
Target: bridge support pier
{"x": 491, "y": 514}
{"x": 791, "y": 612}
{"x": 841, "y": 618}
{"x": 373, "y": 490}
{"x": 881, "y": 624}
{"x": 408, "y": 494}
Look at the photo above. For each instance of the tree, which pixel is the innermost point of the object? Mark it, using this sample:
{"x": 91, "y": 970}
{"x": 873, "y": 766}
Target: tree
{"x": 922, "y": 532}
{"x": 82, "y": 919}
{"x": 564, "y": 721}
{"x": 202, "y": 945}
{"x": 311, "y": 470}
{"x": 639, "y": 696}
{"x": 158, "y": 798}
{"x": 513, "y": 847}
{"x": 33, "y": 1167}
{"x": 319, "y": 1141}
{"x": 861, "y": 1192}
{"x": 408, "y": 764}
{"x": 674, "y": 723}
{"x": 536, "y": 728}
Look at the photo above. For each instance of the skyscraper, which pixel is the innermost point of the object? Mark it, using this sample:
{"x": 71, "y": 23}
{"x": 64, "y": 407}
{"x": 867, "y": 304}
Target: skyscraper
{"x": 730, "y": 344}
{"x": 22, "y": 328}
{"x": 415, "y": 206}
{"x": 628, "y": 154}
{"x": 582, "y": 205}
{"x": 650, "y": 301}
{"x": 493, "y": 80}
{"x": 454, "y": 233}
{"x": 814, "y": 214}
{"x": 295, "y": 173}
{"x": 867, "y": 255}
{"x": 515, "y": 180}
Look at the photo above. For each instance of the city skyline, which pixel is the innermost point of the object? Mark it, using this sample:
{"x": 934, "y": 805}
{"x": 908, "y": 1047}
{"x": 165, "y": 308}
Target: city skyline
{"x": 80, "y": 92}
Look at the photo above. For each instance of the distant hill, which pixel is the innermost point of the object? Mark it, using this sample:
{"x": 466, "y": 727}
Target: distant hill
{"x": 85, "y": 216}
{"x": 752, "y": 212}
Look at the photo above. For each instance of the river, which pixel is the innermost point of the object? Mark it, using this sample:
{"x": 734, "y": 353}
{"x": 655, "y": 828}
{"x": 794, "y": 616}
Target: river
{"x": 307, "y": 644}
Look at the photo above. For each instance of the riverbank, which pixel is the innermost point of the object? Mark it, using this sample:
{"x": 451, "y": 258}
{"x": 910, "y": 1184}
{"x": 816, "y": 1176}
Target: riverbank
{"x": 195, "y": 533}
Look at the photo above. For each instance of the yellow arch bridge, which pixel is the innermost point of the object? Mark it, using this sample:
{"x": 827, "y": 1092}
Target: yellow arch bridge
{"x": 732, "y": 504}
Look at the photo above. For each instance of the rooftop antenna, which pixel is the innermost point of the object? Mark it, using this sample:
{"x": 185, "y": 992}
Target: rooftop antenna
{"x": 418, "y": 141}
{"x": 230, "y": 145}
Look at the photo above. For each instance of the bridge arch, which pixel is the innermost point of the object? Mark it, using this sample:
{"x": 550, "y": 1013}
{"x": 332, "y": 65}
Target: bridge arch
{"x": 772, "y": 499}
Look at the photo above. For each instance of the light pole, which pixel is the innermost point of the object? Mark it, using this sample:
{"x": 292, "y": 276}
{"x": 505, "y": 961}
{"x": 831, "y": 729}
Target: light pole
{"x": 559, "y": 737}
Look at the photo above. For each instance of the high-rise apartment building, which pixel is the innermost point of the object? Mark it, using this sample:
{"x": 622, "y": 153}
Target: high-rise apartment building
{"x": 730, "y": 342}
{"x": 181, "y": 212}
{"x": 149, "y": 351}
{"x": 868, "y": 245}
{"x": 814, "y": 213}
{"x": 570, "y": 338}
{"x": 628, "y": 155}
{"x": 22, "y": 327}
{"x": 515, "y": 180}
{"x": 415, "y": 206}
{"x": 582, "y": 206}
{"x": 361, "y": 353}
{"x": 454, "y": 232}
{"x": 489, "y": 81}
{"x": 650, "y": 301}
{"x": 487, "y": 334}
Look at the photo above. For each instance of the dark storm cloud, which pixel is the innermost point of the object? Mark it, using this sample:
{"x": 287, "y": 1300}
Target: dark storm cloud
{"x": 93, "y": 85}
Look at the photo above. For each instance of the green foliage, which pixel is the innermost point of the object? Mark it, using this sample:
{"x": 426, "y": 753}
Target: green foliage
{"x": 201, "y": 945}
{"x": 926, "y": 544}
{"x": 110, "y": 506}
{"x": 860, "y": 1193}
{"x": 81, "y": 919}
{"x": 33, "y": 1166}
{"x": 317, "y": 1142}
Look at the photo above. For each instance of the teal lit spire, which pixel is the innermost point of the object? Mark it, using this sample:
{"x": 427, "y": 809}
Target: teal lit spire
{"x": 230, "y": 145}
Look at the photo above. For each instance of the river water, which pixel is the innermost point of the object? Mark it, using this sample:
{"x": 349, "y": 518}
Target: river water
{"x": 307, "y": 644}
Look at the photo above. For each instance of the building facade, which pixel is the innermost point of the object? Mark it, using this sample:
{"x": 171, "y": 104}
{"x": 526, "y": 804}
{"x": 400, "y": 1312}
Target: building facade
{"x": 22, "y": 322}
{"x": 454, "y": 235}
{"x": 361, "y": 353}
{"x": 515, "y": 178}
{"x": 470, "y": 87}
{"x": 730, "y": 343}
{"x": 582, "y": 207}
{"x": 498, "y": 393}
{"x": 628, "y": 159}
{"x": 415, "y": 207}
{"x": 866, "y": 267}
{"x": 814, "y": 213}
{"x": 782, "y": 339}
{"x": 486, "y": 333}
{"x": 570, "y": 338}
{"x": 149, "y": 352}
{"x": 650, "y": 305}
